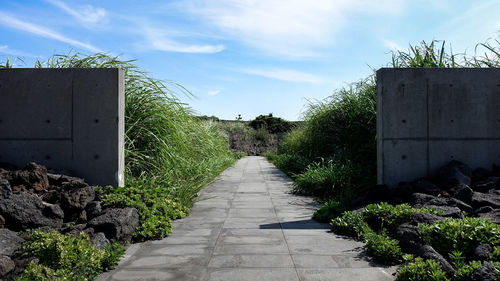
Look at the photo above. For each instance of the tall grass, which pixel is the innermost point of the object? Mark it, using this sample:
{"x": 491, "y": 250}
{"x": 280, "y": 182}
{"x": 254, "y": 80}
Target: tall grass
{"x": 164, "y": 144}
{"x": 425, "y": 55}
{"x": 333, "y": 154}
{"x": 242, "y": 138}
{"x": 486, "y": 54}
{"x": 169, "y": 154}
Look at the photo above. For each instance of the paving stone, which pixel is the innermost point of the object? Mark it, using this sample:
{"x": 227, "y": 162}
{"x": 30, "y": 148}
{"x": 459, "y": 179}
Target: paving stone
{"x": 257, "y": 223}
{"x": 184, "y": 274}
{"x": 214, "y": 202}
{"x": 251, "y": 198}
{"x": 170, "y": 261}
{"x": 249, "y": 227}
{"x": 251, "y": 232}
{"x": 252, "y": 205}
{"x": 227, "y": 249}
{"x": 252, "y": 213}
{"x": 195, "y": 224}
{"x": 327, "y": 261}
{"x": 177, "y": 240}
{"x": 268, "y": 261}
{"x": 321, "y": 245}
{"x": 309, "y": 232}
{"x": 344, "y": 274}
{"x": 254, "y": 239}
{"x": 195, "y": 232}
{"x": 238, "y": 274}
{"x": 293, "y": 223}
{"x": 158, "y": 249}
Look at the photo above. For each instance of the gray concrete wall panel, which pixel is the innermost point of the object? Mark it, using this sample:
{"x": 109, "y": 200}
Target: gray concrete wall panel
{"x": 453, "y": 113}
{"x": 71, "y": 120}
{"x": 402, "y": 158}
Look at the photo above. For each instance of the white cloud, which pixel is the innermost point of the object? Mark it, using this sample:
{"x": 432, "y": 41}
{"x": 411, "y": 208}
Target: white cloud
{"x": 4, "y": 49}
{"x": 12, "y": 22}
{"x": 284, "y": 75}
{"x": 292, "y": 29}
{"x": 393, "y": 46}
{"x": 158, "y": 40}
{"x": 465, "y": 21}
{"x": 168, "y": 45}
{"x": 86, "y": 13}
{"x": 213, "y": 93}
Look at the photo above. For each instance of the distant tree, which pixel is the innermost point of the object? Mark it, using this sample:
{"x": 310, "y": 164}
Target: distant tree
{"x": 211, "y": 118}
{"x": 238, "y": 118}
{"x": 272, "y": 124}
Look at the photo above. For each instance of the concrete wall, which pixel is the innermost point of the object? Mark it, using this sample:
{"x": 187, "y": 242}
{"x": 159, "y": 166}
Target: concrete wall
{"x": 427, "y": 117}
{"x": 70, "y": 120}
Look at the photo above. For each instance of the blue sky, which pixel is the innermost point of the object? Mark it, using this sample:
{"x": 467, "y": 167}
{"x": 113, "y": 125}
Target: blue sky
{"x": 246, "y": 57}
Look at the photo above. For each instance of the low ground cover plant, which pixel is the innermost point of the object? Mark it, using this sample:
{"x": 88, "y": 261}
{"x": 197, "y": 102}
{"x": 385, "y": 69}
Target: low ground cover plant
{"x": 156, "y": 211}
{"x": 460, "y": 235}
{"x": 452, "y": 238}
{"x": 373, "y": 224}
{"x": 67, "y": 257}
{"x": 330, "y": 209}
{"x": 384, "y": 215}
{"x": 421, "y": 269}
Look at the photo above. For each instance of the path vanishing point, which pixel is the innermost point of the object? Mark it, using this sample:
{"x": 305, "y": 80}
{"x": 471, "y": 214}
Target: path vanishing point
{"x": 248, "y": 226}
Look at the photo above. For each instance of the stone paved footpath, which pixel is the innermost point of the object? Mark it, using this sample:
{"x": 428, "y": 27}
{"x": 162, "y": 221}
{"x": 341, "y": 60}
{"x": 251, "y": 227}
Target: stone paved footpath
{"x": 249, "y": 228}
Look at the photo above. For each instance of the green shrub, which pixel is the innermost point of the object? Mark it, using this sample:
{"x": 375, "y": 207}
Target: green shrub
{"x": 270, "y": 156}
{"x": 291, "y": 164}
{"x": 457, "y": 258}
{"x": 157, "y": 208}
{"x": 243, "y": 138}
{"x": 296, "y": 142}
{"x": 465, "y": 272}
{"x": 261, "y": 134}
{"x": 460, "y": 234}
{"x": 329, "y": 210}
{"x": 239, "y": 154}
{"x": 495, "y": 256}
{"x": 327, "y": 179}
{"x": 114, "y": 251}
{"x": 379, "y": 245}
{"x": 420, "y": 270}
{"x": 383, "y": 248}
{"x": 386, "y": 215}
{"x": 67, "y": 257}
{"x": 389, "y": 216}
{"x": 351, "y": 224}
{"x": 272, "y": 124}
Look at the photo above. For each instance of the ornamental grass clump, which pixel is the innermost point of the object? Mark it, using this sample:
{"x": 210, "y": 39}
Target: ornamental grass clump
{"x": 166, "y": 147}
